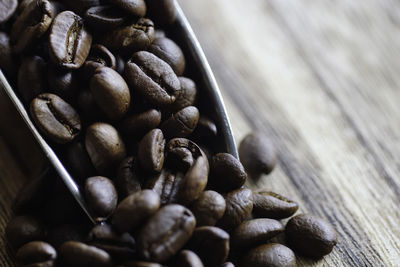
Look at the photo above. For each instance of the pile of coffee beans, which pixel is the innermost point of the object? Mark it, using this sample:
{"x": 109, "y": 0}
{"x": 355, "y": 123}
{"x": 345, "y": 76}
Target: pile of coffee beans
{"x": 105, "y": 87}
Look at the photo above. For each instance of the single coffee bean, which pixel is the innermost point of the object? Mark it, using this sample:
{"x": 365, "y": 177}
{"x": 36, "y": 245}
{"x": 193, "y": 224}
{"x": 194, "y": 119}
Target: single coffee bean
{"x": 239, "y": 204}
{"x": 78, "y": 254}
{"x": 273, "y": 254}
{"x": 134, "y": 209}
{"x": 131, "y": 38}
{"x": 257, "y": 154}
{"x": 104, "y": 17}
{"x": 7, "y": 9}
{"x": 66, "y": 232}
{"x": 69, "y": 41}
{"x": 119, "y": 246}
{"x": 255, "y": 232}
{"x": 211, "y": 244}
{"x": 31, "y": 24}
{"x": 170, "y": 52}
{"x": 23, "y": 229}
{"x": 8, "y": 63}
{"x": 208, "y": 208}
{"x": 110, "y": 92}
{"x": 205, "y": 130}
{"x": 153, "y": 78}
{"x": 268, "y": 204}
{"x": 151, "y": 151}
{"x": 63, "y": 83}
{"x": 165, "y": 233}
{"x": 99, "y": 56}
{"x": 101, "y": 195}
{"x": 187, "y": 258}
{"x": 55, "y": 118}
{"x": 182, "y": 123}
{"x": 311, "y": 236}
{"x": 136, "y": 8}
{"x": 128, "y": 180}
{"x": 78, "y": 161}
{"x": 104, "y": 146}
{"x": 36, "y": 252}
{"x": 32, "y": 78}
{"x": 188, "y": 94}
{"x": 161, "y": 11}
{"x": 140, "y": 264}
{"x": 227, "y": 173}
{"x": 137, "y": 125}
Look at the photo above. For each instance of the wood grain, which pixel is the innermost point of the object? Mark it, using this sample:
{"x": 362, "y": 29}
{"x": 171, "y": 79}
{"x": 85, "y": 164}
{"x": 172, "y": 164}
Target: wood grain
{"x": 321, "y": 79}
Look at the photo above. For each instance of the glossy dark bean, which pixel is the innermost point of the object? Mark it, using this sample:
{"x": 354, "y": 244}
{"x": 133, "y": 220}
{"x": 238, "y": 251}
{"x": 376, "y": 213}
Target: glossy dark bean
{"x": 99, "y": 56}
{"x": 151, "y": 151}
{"x": 55, "y": 118}
{"x": 128, "y": 180}
{"x": 104, "y": 146}
{"x": 170, "y": 52}
{"x": 182, "y": 123}
{"x": 165, "y": 233}
{"x": 60, "y": 234}
{"x": 134, "y": 209}
{"x": 32, "y": 78}
{"x": 131, "y": 38}
{"x": 257, "y": 154}
{"x": 78, "y": 161}
{"x": 36, "y": 252}
{"x": 105, "y": 17}
{"x": 211, "y": 244}
{"x": 227, "y": 173}
{"x": 110, "y": 92}
{"x": 205, "y": 130}
{"x": 63, "y": 83}
{"x": 78, "y": 254}
{"x": 208, "y": 208}
{"x": 239, "y": 204}
{"x": 101, "y": 195}
{"x": 274, "y": 255}
{"x": 23, "y": 229}
{"x": 162, "y": 11}
{"x": 7, "y": 9}
{"x": 137, "y": 125}
{"x": 69, "y": 41}
{"x": 268, "y": 204}
{"x": 311, "y": 236}
{"x": 188, "y": 94}
{"x": 187, "y": 258}
{"x": 153, "y": 78}
{"x": 255, "y": 232}
{"x": 8, "y": 63}
{"x": 134, "y": 7}
{"x": 31, "y": 24}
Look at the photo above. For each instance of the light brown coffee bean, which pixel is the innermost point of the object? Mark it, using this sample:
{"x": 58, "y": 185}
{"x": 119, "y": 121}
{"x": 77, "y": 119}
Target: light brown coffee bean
{"x": 268, "y": 204}
{"x": 274, "y": 255}
{"x": 208, "y": 208}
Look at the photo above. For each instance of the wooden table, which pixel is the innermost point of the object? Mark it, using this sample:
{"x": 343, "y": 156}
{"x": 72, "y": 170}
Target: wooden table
{"x": 321, "y": 79}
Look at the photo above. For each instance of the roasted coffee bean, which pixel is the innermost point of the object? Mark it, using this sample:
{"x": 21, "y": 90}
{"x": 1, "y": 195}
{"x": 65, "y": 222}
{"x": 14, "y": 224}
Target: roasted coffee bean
{"x": 128, "y": 181}
{"x": 104, "y": 17}
{"x": 227, "y": 173}
{"x": 188, "y": 94}
{"x": 153, "y": 78}
{"x": 110, "y": 92}
{"x": 140, "y": 264}
{"x": 88, "y": 107}
{"x": 99, "y": 56}
{"x": 69, "y": 41}
{"x": 136, "y": 8}
{"x": 119, "y": 246}
{"x": 208, "y": 208}
{"x": 101, "y": 195}
{"x": 36, "y": 252}
{"x": 255, "y": 232}
{"x": 134, "y": 209}
{"x": 63, "y": 83}
{"x": 66, "y": 232}
{"x": 239, "y": 204}
{"x": 55, "y": 118}
{"x": 32, "y": 78}
{"x": 31, "y": 24}
{"x": 165, "y": 233}
{"x": 257, "y": 154}
{"x": 170, "y": 52}
{"x": 268, "y": 204}
{"x": 131, "y": 38}
{"x": 7, "y": 9}
{"x": 78, "y": 161}
{"x": 151, "y": 151}
{"x": 162, "y": 11}
{"x": 182, "y": 123}
{"x": 311, "y": 236}
{"x": 205, "y": 129}
{"x": 78, "y": 254}
{"x": 104, "y": 146}
{"x": 211, "y": 244}
{"x": 8, "y": 63}
{"x": 274, "y": 255}
{"x": 23, "y": 229}
{"x": 187, "y": 258}
{"x": 137, "y": 125}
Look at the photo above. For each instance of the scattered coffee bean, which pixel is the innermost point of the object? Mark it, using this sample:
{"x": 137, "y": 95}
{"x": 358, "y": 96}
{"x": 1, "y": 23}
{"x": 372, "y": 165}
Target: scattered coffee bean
{"x": 311, "y": 236}
{"x": 187, "y": 258}
{"x": 151, "y": 151}
{"x": 208, "y": 208}
{"x": 274, "y": 255}
{"x": 227, "y": 173}
{"x": 268, "y": 204}
{"x": 101, "y": 195}
{"x": 36, "y": 252}
{"x": 23, "y": 229}
{"x": 79, "y": 254}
